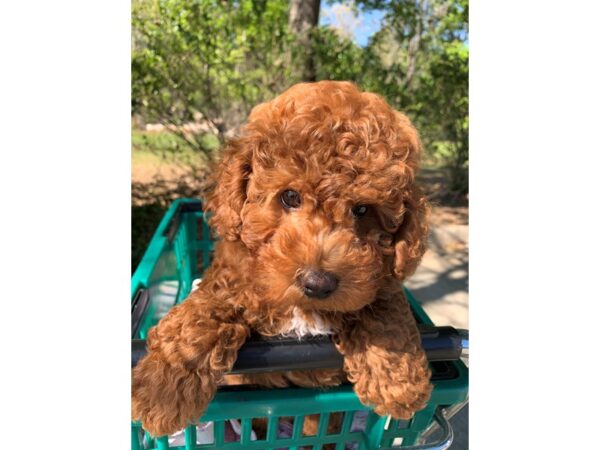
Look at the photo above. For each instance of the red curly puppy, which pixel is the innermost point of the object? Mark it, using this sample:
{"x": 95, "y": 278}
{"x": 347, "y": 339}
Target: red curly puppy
{"x": 319, "y": 218}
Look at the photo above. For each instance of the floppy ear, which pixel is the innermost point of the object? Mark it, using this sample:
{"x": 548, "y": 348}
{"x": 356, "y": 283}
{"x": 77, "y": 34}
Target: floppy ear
{"x": 229, "y": 194}
{"x": 411, "y": 237}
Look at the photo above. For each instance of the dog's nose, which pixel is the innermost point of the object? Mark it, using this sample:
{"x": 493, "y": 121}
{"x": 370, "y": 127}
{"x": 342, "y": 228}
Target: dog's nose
{"x": 319, "y": 284}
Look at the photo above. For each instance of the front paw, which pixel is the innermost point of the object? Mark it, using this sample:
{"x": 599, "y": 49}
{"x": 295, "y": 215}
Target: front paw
{"x": 398, "y": 398}
{"x": 165, "y": 398}
{"x": 397, "y": 385}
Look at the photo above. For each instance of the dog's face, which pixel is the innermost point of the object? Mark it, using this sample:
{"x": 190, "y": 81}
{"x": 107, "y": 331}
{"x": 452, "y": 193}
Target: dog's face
{"x": 320, "y": 189}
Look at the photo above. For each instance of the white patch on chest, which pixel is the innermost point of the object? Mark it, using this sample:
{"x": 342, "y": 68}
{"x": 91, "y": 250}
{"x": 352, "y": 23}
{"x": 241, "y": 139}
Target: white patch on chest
{"x": 299, "y": 326}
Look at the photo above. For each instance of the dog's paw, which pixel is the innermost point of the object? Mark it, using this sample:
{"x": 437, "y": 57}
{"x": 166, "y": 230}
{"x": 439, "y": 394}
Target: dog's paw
{"x": 399, "y": 400}
{"x": 166, "y": 399}
{"x": 396, "y": 384}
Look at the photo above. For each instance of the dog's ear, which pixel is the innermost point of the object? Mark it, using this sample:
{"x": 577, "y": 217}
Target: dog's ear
{"x": 410, "y": 239}
{"x": 229, "y": 193}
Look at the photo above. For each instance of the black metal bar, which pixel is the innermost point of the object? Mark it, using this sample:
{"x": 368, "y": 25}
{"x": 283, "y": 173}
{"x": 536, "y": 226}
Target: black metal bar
{"x": 441, "y": 343}
{"x": 138, "y": 351}
{"x": 138, "y": 309}
{"x": 282, "y": 354}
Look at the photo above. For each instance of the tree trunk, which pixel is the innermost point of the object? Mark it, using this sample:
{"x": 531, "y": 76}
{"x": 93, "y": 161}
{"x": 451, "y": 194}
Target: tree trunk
{"x": 304, "y": 16}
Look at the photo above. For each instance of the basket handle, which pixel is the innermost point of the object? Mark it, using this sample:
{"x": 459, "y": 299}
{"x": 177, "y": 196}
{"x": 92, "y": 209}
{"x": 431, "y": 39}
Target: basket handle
{"x": 259, "y": 354}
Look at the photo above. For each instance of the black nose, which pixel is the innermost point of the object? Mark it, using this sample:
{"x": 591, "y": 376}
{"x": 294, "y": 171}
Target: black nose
{"x": 318, "y": 284}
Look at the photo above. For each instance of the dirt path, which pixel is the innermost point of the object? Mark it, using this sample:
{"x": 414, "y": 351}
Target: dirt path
{"x": 441, "y": 281}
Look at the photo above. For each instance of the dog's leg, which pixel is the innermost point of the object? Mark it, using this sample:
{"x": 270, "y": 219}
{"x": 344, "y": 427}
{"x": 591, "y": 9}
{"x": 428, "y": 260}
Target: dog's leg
{"x": 384, "y": 359}
{"x": 188, "y": 353}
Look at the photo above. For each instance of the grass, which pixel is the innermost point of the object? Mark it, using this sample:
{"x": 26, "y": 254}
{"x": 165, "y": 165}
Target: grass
{"x": 156, "y": 148}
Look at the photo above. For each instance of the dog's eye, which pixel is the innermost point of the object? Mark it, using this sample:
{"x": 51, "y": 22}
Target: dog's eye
{"x": 360, "y": 210}
{"x": 290, "y": 199}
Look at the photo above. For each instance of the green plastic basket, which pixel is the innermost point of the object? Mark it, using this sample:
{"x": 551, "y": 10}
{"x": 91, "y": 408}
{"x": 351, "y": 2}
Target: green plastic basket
{"x": 179, "y": 251}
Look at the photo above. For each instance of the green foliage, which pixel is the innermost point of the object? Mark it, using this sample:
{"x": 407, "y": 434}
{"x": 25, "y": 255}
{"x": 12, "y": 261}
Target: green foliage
{"x": 215, "y": 60}
{"x": 338, "y": 58}
{"x": 206, "y": 60}
{"x": 445, "y": 97}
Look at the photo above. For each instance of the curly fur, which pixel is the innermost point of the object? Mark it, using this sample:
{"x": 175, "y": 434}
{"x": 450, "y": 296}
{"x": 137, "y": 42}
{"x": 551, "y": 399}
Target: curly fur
{"x": 338, "y": 147}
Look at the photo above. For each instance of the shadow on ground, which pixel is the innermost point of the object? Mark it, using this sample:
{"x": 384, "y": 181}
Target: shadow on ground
{"x": 441, "y": 281}
{"x": 445, "y": 267}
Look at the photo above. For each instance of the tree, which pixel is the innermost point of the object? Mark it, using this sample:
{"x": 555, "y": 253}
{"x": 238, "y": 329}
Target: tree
{"x": 445, "y": 95}
{"x": 207, "y": 60}
{"x": 303, "y": 19}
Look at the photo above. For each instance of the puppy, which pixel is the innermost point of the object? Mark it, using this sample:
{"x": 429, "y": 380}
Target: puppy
{"x": 319, "y": 220}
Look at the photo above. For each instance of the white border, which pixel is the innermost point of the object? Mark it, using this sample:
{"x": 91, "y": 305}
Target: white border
{"x": 534, "y": 224}
{"x": 65, "y": 226}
